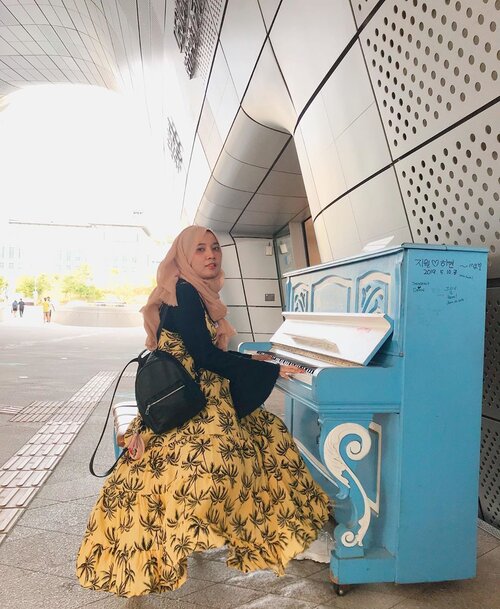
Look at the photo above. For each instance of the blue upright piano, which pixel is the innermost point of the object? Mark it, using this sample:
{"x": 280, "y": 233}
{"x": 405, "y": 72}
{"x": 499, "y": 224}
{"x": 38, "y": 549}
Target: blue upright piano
{"x": 387, "y": 411}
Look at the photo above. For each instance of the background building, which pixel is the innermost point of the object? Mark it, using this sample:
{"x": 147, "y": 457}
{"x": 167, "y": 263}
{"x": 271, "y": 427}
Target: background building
{"x": 114, "y": 254}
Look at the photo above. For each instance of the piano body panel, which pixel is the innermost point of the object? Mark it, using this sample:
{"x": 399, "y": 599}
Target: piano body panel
{"x": 370, "y": 384}
{"x": 441, "y": 407}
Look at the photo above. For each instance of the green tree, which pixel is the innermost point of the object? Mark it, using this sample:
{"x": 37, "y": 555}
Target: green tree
{"x": 26, "y": 285}
{"x": 3, "y": 286}
{"x": 79, "y": 286}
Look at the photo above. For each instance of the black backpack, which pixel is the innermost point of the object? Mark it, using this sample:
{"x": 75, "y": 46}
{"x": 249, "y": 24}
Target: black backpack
{"x": 167, "y": 396}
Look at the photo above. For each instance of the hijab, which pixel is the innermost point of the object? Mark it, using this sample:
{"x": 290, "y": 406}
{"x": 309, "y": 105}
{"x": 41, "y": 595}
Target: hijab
{"x": 177, "y": 265}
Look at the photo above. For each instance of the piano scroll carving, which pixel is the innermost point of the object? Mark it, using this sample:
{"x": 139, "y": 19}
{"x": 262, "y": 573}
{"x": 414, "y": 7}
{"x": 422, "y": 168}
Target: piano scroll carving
{"x": 344, "y": 444}
{"x": 301, "y": 297}
{"x": 373, "y": 293}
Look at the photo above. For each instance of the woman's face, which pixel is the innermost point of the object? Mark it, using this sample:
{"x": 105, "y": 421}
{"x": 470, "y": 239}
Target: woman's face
{"x": 207, "y": 257}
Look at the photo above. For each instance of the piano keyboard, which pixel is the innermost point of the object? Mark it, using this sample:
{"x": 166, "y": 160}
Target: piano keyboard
{"x": 287, "y": 362}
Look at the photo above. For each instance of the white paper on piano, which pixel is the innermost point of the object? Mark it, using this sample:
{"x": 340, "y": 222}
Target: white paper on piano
{"x": 353, "y": 337}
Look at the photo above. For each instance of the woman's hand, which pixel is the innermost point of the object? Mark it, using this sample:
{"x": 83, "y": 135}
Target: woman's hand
{"x": 287, "y": 372}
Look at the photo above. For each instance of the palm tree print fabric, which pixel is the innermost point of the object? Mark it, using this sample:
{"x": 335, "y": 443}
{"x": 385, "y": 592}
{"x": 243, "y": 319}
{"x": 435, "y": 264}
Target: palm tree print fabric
{"x": 215, "y": 481}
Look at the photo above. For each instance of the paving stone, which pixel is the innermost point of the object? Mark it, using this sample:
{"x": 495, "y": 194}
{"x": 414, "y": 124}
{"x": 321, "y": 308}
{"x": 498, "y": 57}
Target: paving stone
{"x": 191, "y": 585}
{"x": 485, "y": 542}
{"x": 222, "y": 596}
{"x": 40, "y": 410}
{"x": 47, "y": 552}
{"x": 30, "y": 449}
{"x": 16, "y": 497}
{"x": 80, "y": 486}
{"x": 358, "y": 597}
{"x": 209, "y": 570}
{"x": 307, "y": 590}
{"x": 8, "y": 517}
{"x": 20, "y": 532}
{"x": 150, "y": 601}
{"x": 267, "y": 581}
{"x": 68, "y": 517}
{"x": 32, "y": 590}
{"x": 272, "y": 601}
{"x": 303, "y": 568}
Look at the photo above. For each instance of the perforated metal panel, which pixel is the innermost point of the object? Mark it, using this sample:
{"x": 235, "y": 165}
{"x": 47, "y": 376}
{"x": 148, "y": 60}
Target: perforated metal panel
{"x": 489, "y": 486}
{"x": 431, "y": 64}
{"x": 209, "y": 33}
{"x": 362, "y": 8}
{"x": 450, "y": 187}
{"x": 491, "y": 384}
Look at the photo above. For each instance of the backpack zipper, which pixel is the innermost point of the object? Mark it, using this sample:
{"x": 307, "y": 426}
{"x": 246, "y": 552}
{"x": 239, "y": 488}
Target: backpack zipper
{"x": 164, "y": 397}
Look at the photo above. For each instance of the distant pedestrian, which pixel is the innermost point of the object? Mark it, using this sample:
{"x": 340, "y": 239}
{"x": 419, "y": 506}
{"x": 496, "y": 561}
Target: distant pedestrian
{"x": 14, "y": 308}
{"x": 21, "y": 307}
{"x": 47, "y": 308}
{"x": 51, "y": 308}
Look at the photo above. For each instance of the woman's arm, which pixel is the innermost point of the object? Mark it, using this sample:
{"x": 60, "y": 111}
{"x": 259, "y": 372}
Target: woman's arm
{"x": 189, "y": 319}
{"x": 251, "y": 381}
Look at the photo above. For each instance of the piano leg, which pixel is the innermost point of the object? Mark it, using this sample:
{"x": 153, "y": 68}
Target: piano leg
{"x": 344, "y": 446}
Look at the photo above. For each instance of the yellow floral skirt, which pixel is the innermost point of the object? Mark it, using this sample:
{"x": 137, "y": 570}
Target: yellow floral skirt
{"x": 215, "y": 481}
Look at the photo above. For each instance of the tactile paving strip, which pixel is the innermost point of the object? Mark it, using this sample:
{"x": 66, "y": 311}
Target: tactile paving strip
{"x": 24, "y": 473}
{"x": 37, "y": 411}
{"x": 4, "y": 409}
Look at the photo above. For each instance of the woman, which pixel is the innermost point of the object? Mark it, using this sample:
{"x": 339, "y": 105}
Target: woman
{"x": 229, "y": 476}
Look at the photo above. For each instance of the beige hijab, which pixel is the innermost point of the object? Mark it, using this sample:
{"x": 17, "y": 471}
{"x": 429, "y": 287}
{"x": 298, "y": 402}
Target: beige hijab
{"x": 175, "y": 265}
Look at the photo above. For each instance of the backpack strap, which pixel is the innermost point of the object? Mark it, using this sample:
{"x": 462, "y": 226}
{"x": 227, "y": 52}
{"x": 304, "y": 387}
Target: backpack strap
{"x": 91, "y": 463}
{"x": 163, "y": 316}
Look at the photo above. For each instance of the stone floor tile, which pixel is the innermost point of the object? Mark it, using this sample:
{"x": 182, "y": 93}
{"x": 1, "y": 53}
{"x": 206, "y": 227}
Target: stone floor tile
{"x": 360, "y": 598}
{"x": 308, "y": 590}
{"x": 151, "y": 601}
{"x": 222, "y": 596}
{"x": 48, "y": 552}
{"x": 68, "y": 517}
{"x": 323, "y": 575}
{"x": 465, "y": 594}
{"x": 488, "y": 567}
{"x": 20, "y": 532}
{"x": 209, "y": 570}
{"x": 31, "y": 590}
{"x": 38, "y": 501}
{"x": 303, "y": 568}
{"x": 67, "y": 490}
{"x": 266, "y": 581}
{"x": 69, "y": 470}
{"x": 271, "y": 601}
{"x": 485, "y": 542}
{"x": 17, "y": 437}
{"x": 191, "y": 585}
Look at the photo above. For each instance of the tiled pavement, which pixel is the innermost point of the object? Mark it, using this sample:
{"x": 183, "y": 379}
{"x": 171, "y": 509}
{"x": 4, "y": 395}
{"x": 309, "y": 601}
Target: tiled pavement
{"x": 37, "y": 557}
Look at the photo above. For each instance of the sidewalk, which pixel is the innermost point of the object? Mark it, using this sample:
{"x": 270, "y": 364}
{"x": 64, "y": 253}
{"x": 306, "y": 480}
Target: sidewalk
{"x": 38, "y": 553}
